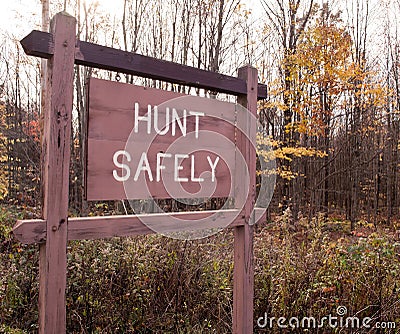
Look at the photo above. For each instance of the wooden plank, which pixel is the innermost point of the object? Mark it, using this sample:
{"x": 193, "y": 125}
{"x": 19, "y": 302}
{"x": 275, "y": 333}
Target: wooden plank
{"x": 55, "y": 175}
{"x": 111, "y": 121}
{"x": 30, "y": 231}
{"x": 41, "y": 44}
{"x": 111, "y": 109}
{"x": 79, "y": 228}
{"x": 38, "y": 44}
{"x": 243, "y": 289}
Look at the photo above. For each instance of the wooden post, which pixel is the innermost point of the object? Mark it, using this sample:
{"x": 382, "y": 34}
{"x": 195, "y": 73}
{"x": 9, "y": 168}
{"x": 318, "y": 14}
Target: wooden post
{"x": 243, "y": 285}
{"x": 55, "y": 175}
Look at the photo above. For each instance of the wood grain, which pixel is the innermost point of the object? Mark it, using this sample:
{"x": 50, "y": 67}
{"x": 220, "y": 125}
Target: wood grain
{"x": 90, "y": 228}
{"x": 41, "y": 44}
{"x": 243, "y": 285}
{"x": 55, "y": 176}
{"x": 111, "y": 120}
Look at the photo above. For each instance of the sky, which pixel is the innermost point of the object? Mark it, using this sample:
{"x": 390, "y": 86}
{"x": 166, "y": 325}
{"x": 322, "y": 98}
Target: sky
{"x": 14, "y": 17}
{"x": 19, "y": 17}
{"x": 12, "y": 12}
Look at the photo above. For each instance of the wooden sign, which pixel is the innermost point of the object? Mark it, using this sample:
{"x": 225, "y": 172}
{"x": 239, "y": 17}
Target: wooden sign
{"x": 142, "y": 143}
{"x": 150, "y": 143}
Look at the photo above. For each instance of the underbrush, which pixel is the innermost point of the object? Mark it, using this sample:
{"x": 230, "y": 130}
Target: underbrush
{"x": 151, "y": 284}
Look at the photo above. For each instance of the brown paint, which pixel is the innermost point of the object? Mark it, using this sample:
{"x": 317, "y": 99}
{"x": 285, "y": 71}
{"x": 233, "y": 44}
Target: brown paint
{"x": 40, "y": 44}
{"x": 91, "y": 228}
{"x": 111, "y": 120}
{"x": 243, "y": 282}
{"x": 55, "y": 176}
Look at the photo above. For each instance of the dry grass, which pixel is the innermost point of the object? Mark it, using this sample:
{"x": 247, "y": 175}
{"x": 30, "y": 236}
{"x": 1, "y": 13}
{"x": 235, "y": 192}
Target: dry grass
{"x": 157, "y": 285}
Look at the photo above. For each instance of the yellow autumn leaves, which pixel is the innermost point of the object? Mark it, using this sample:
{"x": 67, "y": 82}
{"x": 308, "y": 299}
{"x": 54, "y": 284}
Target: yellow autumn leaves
{"x": 3, "y": 155}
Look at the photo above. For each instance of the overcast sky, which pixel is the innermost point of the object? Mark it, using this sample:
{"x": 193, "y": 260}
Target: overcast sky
{"x": 21, "y": 16}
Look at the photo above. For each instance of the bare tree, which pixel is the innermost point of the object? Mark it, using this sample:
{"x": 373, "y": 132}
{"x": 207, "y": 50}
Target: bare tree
{"x": 289, "y": 20}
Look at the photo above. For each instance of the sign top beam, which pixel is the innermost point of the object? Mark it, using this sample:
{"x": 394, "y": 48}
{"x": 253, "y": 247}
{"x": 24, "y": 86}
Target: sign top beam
{"x": 40, "y": 44}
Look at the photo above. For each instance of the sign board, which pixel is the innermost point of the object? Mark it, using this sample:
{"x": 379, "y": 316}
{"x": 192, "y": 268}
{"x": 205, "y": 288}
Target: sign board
{"x": 151, "y": 143}
{"x": 142, "y": 143}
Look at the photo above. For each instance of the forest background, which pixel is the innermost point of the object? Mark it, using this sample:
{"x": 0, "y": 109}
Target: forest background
{"x": 332, "y": 114}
